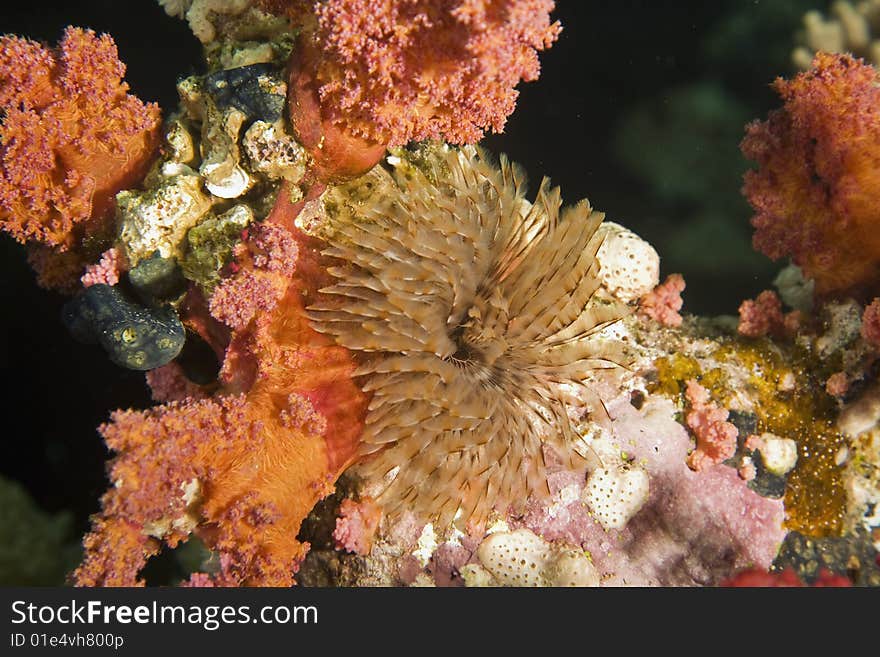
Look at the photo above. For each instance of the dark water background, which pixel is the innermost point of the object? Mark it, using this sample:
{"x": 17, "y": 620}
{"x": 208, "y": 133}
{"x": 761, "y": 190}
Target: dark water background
{"x": 640, "y": 108}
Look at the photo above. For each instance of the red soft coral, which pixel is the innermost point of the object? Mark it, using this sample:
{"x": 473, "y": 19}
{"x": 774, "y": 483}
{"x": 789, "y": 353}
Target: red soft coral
{"x": 368, "y": 74}
{"x": 814, "y": 192}
{"x": 755, "y": 577}
{"x": 243, "y": 468}
{"x": 71, "y": 136}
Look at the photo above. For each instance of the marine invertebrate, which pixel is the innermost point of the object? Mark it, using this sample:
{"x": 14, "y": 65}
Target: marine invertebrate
{"x": 813, "y": 191}
{"x": 475, "y": 316}
{"x": 71, "y": 137}
{"x": 365, "y": 75}
{"x": 629, "y": 267}
{"x": 106, "y": 271}
{"x": 356, "y": 525}
{"x": 134, "y": 336}
{"x": 522, "y": 558}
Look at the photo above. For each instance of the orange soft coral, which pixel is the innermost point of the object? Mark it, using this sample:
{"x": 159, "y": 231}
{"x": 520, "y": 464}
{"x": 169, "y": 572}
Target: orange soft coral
{"x": 368, "y": 74}
{"x": 242, "y": 469}
{"x": 815, "y": 189}
{"x": 71, "y": 137}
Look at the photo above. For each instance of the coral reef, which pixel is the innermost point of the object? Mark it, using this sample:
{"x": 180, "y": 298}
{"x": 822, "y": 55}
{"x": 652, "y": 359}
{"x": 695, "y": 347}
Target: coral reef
{"x": 376, "y": 361}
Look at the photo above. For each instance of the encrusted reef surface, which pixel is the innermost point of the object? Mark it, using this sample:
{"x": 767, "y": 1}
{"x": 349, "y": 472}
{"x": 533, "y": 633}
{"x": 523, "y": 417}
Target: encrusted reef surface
{"x": 787, "y": 479}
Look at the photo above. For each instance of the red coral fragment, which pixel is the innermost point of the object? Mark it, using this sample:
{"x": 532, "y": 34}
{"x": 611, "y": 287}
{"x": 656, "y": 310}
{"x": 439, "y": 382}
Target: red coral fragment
{"x": 762, "y": 317}
{"x": 716, "y": 438}
{"x": 756, "y": 577}
{"x": 71, "y": 137}
{"x": 870, "y": 329}
{"x": 815, "y": 190}
{"x": 664, "y": 301}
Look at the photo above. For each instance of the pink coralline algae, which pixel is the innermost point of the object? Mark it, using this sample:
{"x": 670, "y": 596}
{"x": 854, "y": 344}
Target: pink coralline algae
{"x": 695, "y": 528}
{"x": 356, "y": 526}
{"x": 105, "y": 271}
{"x": 870, "y": 329}
{"x": 664, "y": 301}
{"x": 716, "y": 438}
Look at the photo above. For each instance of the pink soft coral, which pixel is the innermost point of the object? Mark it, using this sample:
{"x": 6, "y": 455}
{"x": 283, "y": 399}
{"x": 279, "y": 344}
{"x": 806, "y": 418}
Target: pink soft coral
{"x": 761, "y": 317}
{"x": 105, "y": 272}
{"x": 242, "y": 468}
{"x": 814, "y": 192}
{"x": 369, "y": 74}
{"x": 356, "y": 526}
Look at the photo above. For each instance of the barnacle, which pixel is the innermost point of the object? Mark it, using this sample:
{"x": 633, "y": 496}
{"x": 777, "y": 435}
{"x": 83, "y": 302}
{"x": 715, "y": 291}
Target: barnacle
{"x": 475, "y": 317}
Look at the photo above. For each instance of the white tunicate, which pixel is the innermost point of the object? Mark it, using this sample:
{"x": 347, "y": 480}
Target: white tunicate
{"x": 522, "y": 558}
{"x": 615, "y": 494}
{"x": 515, "y": 558}
{"x": 629, "y": 266}
{"x": 778, "y": 454}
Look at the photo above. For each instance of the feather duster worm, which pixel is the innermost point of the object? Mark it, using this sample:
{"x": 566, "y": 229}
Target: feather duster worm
{"x": 472, "y": 311}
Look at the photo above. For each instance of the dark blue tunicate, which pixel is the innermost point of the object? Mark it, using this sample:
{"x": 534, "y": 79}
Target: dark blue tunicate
{"x": 248, "y": 89}
{"x": 134, "y": 337}
{"x": 157, "y": 278}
